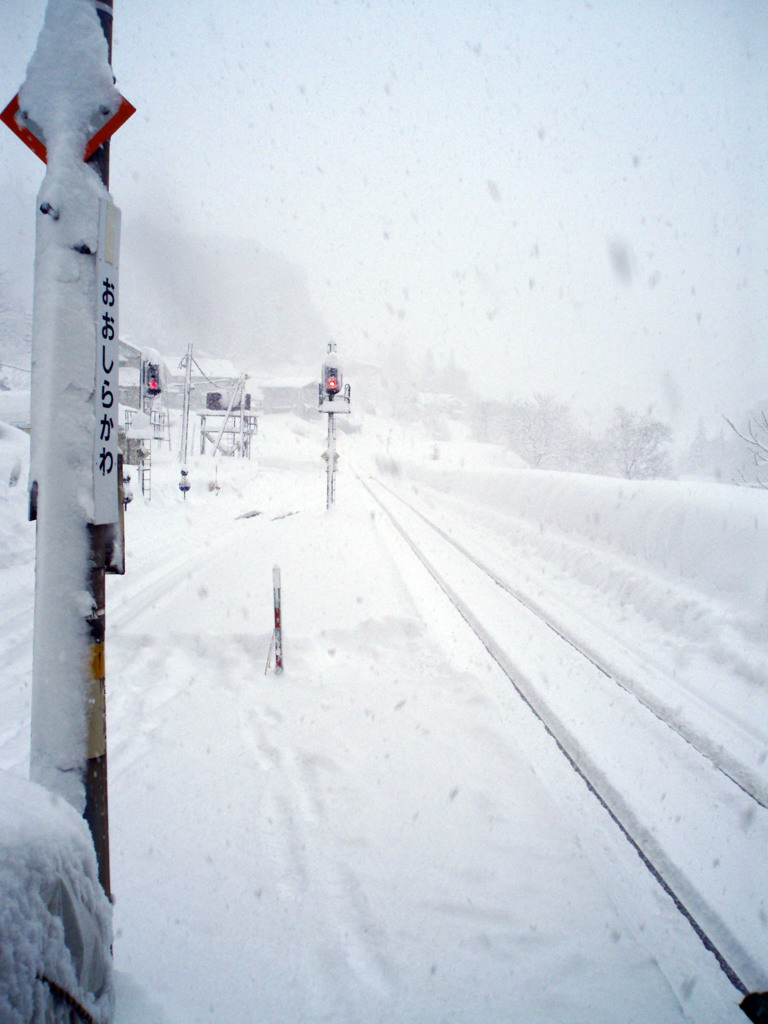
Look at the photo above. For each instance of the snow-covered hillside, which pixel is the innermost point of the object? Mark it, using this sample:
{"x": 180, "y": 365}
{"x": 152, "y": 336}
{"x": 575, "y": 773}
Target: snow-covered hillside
{"x": 382, "y": 833}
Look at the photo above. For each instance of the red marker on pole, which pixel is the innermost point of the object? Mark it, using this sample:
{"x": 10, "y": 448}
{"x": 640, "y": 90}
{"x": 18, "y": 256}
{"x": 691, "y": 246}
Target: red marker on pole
{"x": 278, "y": 621}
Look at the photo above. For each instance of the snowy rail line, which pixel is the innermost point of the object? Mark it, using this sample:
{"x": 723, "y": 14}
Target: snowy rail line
{"x": 385, "y": 832}
{"x": 741, "y": 775}
{"x": 717, "y": 924}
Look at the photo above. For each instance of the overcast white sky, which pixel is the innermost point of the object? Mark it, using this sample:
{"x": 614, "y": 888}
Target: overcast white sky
{"x": 569, "y": 196}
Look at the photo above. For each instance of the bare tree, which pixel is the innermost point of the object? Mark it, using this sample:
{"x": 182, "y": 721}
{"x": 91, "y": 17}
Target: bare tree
{"x": 542, "y": 432}
{"x": 756, "y": 440}
{"x": 490, "y": 422}
{"x": 636, "y": 445}
{"x": 721, "y": 456}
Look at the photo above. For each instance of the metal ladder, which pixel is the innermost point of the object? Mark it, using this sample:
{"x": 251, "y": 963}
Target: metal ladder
{"x": 145, "y": 473}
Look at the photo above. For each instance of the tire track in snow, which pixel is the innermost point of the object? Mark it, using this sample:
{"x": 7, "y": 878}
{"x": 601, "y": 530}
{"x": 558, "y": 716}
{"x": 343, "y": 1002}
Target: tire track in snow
{"x": 299, "y": 821}
{"x": 174, "y": 573}
{"x": 177, "y": 570}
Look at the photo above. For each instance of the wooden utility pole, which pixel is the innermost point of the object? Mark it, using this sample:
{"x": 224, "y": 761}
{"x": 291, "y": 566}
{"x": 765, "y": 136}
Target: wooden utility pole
{"x": 96, "y": 811}
{"x": 185, "y": 409}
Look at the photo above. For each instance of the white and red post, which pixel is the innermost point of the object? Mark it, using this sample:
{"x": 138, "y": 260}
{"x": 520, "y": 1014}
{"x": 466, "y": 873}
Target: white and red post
{"x": 278, "y": 635}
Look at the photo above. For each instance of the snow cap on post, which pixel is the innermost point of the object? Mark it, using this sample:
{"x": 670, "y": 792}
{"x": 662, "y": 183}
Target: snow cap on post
{"x": 68, "y": 78}
{"x": 69, "y": 81}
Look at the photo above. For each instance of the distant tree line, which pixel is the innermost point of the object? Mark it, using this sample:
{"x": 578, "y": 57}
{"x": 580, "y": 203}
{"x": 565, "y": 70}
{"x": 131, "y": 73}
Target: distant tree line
{"x": 546, "y": 435}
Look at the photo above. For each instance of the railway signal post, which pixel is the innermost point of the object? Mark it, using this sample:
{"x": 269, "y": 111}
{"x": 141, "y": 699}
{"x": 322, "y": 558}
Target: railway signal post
{"x": 333, "y": 399}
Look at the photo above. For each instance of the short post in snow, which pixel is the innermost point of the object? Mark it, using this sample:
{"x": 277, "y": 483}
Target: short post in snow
{"x": 184, "y": 484}
{"x": 333, "y": 399}
{"x": 278, "y": 633}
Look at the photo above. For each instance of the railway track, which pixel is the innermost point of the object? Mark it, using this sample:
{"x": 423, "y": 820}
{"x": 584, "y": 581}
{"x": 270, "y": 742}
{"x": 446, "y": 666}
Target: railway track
{"x": 741, "y": 775}
{"x": 715, "y": 780}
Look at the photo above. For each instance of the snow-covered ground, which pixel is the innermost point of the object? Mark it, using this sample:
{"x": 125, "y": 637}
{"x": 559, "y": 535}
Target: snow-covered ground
{"x": 383, "y": 832}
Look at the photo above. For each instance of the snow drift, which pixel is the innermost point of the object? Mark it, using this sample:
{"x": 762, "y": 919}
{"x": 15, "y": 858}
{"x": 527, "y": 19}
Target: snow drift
{"x": 710, "y": 537}
{"x": 55, "y": 921}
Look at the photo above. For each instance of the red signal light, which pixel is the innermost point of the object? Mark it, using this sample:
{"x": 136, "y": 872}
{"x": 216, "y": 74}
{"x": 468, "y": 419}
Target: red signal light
{"x": 151, "y": 378}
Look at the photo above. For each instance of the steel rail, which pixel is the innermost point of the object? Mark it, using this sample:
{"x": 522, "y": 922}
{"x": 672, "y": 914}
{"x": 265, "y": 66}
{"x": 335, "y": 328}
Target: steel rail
{"x": 735, "y": 772}
{"x": 562, "y": 744}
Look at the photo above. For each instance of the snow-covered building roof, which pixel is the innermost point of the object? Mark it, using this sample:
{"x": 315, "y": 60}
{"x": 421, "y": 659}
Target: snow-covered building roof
{"x": 130, "y": 376}
{"x": 203, "y": 367}
{"x": 289, "y": 383}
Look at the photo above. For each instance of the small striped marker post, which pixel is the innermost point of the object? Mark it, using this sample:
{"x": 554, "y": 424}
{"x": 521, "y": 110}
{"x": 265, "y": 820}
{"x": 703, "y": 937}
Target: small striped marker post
{"x": 278, "y": 621}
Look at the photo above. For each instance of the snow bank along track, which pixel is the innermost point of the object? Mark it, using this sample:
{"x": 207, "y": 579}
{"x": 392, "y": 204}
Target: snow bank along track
{"x": 678, "y": 856}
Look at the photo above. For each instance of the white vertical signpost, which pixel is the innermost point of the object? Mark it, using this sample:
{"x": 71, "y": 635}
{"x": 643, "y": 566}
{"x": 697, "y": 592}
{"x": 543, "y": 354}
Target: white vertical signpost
{"x": 105, "y": 475}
